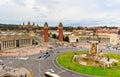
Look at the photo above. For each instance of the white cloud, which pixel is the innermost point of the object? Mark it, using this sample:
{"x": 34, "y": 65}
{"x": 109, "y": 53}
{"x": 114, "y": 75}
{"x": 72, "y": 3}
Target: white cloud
{"x": 66, "y": 11}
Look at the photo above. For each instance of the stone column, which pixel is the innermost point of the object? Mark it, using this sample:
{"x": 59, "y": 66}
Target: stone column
{"x": 31, "y": 41}
{"x": 14, "y": 42}
{"x": 5, "y": 44}
{"x": 19, "y": 42}
{"x": 22, "y": 41}
{"x": 27, "y": 41}
{"x": 8, "y": 43}
{"x": 1, "y": 45}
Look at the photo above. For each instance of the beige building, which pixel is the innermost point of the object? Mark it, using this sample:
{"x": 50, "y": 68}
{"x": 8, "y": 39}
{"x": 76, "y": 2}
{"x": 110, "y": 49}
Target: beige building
{"x": 109, "y": 36}
{"x": 79, "y": 36}
{"x": 105, "y": 37}
{"x": 10, "y": 40}
{"x": 73, "y": 38}
{"x": 109, "y": 39}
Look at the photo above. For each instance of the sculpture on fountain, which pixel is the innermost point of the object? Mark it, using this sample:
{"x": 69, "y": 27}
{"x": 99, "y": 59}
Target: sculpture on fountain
{"x": 93, "y": 57}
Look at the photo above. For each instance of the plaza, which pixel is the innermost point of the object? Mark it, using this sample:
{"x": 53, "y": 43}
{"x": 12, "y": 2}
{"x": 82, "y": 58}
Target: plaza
{"x": 37, "y": 53}
{"x": 59, "y": 38}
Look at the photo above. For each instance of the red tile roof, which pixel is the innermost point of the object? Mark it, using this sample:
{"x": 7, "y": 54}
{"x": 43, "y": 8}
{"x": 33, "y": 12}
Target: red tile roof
{"x": 107, "y": 31}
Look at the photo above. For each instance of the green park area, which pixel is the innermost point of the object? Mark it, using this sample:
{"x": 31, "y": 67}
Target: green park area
{"x": 66, "y": 60}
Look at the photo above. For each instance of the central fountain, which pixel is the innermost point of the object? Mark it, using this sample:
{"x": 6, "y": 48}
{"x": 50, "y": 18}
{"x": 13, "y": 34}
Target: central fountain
{"x": 93, "y": 57}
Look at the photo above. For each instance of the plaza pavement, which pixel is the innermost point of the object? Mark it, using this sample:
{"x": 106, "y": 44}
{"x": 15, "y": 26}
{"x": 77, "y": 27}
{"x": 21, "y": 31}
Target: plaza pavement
{"x": 25, "y": 51}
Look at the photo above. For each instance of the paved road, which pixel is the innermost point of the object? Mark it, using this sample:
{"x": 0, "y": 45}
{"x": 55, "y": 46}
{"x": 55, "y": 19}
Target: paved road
{"x": 38, "y": 67}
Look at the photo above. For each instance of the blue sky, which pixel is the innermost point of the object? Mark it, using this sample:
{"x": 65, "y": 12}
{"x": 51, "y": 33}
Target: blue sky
{"x": 69, "y": 12}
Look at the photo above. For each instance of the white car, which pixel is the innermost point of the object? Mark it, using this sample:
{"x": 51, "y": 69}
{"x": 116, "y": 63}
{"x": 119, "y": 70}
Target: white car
{"x": 51, "y": 70}
{"x": 1, "y": 61}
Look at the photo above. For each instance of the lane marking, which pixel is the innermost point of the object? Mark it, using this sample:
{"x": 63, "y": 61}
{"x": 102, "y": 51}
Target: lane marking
{"x": 61, "y": 71}
{"x": 56, "y": 65}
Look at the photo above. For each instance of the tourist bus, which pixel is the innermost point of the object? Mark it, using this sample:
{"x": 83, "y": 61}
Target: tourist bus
{"x": 49, "y": 74}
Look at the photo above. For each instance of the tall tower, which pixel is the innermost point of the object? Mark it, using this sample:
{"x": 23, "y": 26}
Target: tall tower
{"x": 28, "y": 24}
{"x": 60, "y": 27}
{"x": 46, "y": 32}
{"x": 23, "y": 24}
{"x": 33, "y": 24}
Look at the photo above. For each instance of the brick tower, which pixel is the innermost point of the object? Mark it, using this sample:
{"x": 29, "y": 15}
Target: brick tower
{"x": 46, "y": 32}
{"x": 60, "y": 27}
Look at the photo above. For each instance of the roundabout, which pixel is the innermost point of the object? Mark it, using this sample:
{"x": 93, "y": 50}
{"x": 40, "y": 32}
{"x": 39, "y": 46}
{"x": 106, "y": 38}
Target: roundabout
{"x": 93, "y": 62}
{"x": 66, "y": 60}
{"x": 41, "y": 66}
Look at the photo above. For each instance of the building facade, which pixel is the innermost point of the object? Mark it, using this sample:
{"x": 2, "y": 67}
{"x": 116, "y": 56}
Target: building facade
{"x": 28, "y": 26}
{"x": 14, "y": 40}
{"x": 108, "y": 37}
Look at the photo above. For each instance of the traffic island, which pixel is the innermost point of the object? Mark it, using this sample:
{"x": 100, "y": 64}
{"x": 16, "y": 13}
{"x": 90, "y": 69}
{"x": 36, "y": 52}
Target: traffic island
{"x": 66, "y": 60}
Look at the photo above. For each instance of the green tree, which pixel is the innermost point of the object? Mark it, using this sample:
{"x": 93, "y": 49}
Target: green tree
{"x": 66, "y": 38}
{"x": 54, "y": 36}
